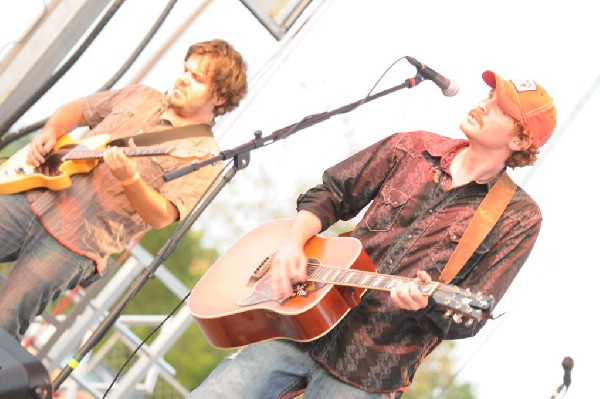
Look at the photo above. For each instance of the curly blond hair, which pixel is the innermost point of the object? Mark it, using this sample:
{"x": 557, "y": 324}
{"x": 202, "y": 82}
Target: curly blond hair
{"x": 227, "y": 72}
{"x": 524, "y": 157}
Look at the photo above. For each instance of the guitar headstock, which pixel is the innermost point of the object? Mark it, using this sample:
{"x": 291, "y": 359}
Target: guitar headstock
{"x": 461, "y": 302}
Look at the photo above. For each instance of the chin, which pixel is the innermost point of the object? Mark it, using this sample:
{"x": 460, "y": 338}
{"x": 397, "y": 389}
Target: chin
{"x": 175, "y": 105}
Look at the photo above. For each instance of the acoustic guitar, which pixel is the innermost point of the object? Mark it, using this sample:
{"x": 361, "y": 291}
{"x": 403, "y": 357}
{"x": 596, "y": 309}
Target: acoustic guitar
{"x": 71, "y": 156}
{"x": 233, "y": 302}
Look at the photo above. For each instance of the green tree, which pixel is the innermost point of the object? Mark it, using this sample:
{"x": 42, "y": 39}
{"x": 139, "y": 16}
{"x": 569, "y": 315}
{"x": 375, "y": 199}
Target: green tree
{"x": 192, "y": 356}
{"x": 435, "y": 378}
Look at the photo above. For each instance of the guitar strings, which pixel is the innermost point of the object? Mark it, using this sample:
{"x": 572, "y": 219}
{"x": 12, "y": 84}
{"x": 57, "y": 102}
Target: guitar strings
{"x": 452, "y": 289}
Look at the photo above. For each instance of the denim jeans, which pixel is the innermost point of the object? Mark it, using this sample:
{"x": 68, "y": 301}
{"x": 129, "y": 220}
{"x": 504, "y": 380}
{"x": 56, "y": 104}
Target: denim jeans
{"x": 43, "y": 268}
{"x": 276, "y": 369}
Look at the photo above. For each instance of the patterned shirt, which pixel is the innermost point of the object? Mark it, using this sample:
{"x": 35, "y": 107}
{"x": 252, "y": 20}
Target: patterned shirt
{"x": 93, "y": 217}
{"x": 413, "y": 222}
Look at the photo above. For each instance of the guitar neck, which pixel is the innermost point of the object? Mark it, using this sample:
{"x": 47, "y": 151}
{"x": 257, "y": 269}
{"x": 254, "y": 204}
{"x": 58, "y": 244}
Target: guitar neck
{"x": 81, "y": 154}
{"x": 362, "y": 279}
{"x": 454, "y": 298}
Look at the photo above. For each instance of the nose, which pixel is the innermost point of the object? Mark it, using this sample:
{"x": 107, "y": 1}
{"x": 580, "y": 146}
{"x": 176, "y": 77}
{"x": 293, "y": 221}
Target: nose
{"x": 185, "y": 77}
{"x": 483, "y": 106}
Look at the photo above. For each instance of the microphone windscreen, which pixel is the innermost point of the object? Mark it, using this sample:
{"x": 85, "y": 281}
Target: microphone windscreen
{"x": 568, "y": 363}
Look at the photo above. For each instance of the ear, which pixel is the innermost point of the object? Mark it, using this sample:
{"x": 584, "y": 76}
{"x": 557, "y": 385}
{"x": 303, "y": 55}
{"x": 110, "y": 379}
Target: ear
{"x": 519, "y": 143}
{"x": 218, "y": 100}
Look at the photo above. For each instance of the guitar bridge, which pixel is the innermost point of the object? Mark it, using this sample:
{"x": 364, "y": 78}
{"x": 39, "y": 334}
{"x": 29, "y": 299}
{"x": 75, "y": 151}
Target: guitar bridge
{"x": 260, "y": 271}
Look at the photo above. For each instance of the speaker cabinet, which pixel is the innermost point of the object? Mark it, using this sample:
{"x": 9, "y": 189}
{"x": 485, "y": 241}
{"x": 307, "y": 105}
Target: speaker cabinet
{"x": 22, "y": 375}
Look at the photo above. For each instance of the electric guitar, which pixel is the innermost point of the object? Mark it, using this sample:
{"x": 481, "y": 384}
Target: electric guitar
{"x": 233, "y": 302}
{"x": 70, "y": 156}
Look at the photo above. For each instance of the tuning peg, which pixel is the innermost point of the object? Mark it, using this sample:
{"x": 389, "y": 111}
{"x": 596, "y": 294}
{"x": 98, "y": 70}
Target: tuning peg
{"x": 447, "y": 314}
{"x": 457, "y": 318}
{"x": 469, "y": 323}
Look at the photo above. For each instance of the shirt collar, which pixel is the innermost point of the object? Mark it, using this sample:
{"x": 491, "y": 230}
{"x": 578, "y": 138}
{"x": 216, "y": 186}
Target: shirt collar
{"x": 443, "y": 153}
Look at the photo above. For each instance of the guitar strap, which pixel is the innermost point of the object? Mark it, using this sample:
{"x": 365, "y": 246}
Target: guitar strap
{"x": 176, "y": 133}
{"x": 483, "y": 220}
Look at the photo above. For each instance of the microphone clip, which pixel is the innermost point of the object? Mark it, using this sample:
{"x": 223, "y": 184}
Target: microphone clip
{"x": 412, "y": 82}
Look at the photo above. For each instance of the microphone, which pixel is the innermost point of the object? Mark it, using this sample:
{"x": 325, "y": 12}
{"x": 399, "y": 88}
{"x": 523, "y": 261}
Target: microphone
{"x": 567, "y": 364}
{"x": 449, "y": 87}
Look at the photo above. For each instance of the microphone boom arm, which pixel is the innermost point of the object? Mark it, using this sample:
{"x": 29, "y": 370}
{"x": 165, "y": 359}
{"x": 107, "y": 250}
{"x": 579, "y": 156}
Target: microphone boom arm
{"x": 284, "y": 132}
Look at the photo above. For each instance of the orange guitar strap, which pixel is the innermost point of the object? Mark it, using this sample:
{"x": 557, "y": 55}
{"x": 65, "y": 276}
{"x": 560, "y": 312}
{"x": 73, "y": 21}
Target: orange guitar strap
{"x": 483, "y": 220}
{"x": 176, "y": 133}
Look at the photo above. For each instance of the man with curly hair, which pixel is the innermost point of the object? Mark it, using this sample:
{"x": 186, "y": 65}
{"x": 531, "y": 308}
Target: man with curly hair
{"x": 61, "y": 238}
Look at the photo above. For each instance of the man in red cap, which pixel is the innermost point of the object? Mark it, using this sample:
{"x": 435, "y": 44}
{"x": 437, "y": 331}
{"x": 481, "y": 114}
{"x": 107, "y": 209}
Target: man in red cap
{"x": 422, "y": 190}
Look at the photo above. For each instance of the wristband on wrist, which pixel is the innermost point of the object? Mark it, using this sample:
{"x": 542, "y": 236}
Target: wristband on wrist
{"x": 131, "y": 180}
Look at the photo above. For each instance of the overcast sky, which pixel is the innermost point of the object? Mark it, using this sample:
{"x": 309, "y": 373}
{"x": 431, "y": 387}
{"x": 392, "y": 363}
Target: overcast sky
{"x": 335, "y": 60}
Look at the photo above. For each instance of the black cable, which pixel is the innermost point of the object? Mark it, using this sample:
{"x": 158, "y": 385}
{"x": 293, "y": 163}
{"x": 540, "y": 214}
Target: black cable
{"x": 110, "y": 83}
{"x": 54, "y": 78}
{"x": 135, "y": 351}
{"x": 138, "y": 50}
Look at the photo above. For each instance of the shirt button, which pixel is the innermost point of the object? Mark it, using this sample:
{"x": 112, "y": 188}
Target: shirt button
{"x": 430, "y": 211}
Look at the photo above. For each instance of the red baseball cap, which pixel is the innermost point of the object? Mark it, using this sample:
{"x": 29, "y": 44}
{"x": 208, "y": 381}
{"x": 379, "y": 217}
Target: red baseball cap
{"x": 527, "y": 102}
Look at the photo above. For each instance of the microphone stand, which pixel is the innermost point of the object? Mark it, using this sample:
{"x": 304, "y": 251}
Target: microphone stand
{"x": 567, "y": 365}
{"x": 240, "y": 162}
{"x": 241, "y": 155}
{"x": 283, "y": 133}
{"x": 557, "y": 392}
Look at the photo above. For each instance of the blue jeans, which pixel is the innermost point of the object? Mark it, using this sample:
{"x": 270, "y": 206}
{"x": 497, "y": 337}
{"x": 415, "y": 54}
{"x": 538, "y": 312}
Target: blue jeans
{"x": 276, "y": 369}
{"x": 43, "y": 268}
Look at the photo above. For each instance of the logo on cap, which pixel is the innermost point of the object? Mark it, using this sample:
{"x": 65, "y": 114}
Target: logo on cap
{"x": 522, "y": 85}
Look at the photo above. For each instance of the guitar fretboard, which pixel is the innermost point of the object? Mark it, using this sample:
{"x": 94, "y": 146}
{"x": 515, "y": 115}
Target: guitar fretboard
{"x": 130, "y": 152}
{"x": 357, "y": 278}
{"x": 450, "y": 296}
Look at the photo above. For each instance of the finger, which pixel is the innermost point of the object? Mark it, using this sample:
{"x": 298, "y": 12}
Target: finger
{"x": 36, "y": 157}
{"x": 401, "y": 297}
{"x": 280, "y": 279}
{"x": 283, "y": 286}
{"x": 418, "y": 299}
{"x": 110, "y": 154}
{"x": 106, "y": 155}
{"x": 395, "y": 295}
{"x": 298, "y": 270}
{"x": 424, "y": 276}
{"x": 46, "y": 147}
{"x": 407, "y": 296}
{"x": 33, "y": 159}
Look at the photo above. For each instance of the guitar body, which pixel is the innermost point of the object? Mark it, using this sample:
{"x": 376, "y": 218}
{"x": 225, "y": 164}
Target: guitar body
{"x": 232, "y": 313}
{"x": 16, "y": 175}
